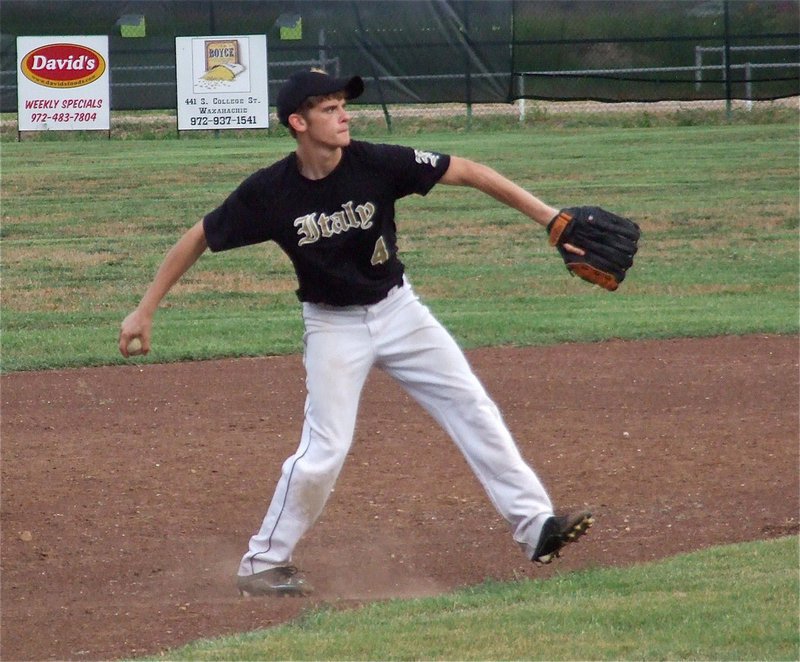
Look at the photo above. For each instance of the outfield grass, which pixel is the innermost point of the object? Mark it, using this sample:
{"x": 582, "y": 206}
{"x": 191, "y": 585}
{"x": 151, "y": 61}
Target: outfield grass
{"x": 86, "y": 223}
{"x": 736, "y": 602}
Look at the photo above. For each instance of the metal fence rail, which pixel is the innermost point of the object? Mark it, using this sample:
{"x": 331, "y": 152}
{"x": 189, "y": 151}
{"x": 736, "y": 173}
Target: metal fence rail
{"x": 697, "y": 69}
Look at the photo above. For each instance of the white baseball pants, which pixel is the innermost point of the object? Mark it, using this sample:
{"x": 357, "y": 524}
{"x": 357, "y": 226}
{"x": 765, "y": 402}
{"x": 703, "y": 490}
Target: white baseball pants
{"x": 401, "y": 336}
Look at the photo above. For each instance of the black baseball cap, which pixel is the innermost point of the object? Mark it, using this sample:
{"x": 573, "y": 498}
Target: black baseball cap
{"x": 313, "y": 83}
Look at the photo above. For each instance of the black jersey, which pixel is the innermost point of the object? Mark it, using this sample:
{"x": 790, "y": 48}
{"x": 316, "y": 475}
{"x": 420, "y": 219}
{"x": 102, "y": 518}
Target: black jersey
{"x": 339, "y": 232}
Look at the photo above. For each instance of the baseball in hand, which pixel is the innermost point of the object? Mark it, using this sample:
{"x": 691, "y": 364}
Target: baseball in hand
{"x": 135, "y": 347}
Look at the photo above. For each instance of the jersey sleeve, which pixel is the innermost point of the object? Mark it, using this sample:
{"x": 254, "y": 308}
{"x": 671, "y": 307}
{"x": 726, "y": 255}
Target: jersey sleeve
{"x": 241, "y": 220}
{"x": 413, "y": 170}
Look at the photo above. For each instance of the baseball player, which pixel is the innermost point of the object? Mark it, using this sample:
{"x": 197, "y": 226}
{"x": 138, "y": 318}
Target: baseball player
{"x": 330, "y": 205}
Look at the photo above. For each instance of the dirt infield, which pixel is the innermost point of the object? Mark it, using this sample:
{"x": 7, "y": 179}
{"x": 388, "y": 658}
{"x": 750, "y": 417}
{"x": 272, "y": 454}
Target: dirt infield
{"x": 129, "y": 493}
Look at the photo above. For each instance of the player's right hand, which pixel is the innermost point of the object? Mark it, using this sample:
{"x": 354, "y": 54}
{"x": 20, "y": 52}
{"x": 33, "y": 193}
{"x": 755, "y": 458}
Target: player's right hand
{"x": 135, "y": 325}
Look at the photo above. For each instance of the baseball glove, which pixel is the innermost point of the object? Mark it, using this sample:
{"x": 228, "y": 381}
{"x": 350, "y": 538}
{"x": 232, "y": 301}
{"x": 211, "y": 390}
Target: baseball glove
{"x": 609, "y": 242}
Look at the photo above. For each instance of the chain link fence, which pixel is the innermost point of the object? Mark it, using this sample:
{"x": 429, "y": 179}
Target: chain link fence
{"x": 468, "y": 59}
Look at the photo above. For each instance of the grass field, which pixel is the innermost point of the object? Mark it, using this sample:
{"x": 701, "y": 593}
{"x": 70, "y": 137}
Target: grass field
{"x": 85, "y": 224}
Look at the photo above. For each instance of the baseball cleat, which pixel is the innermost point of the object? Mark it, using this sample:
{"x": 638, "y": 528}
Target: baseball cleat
{"x": 558, "y": 531}
{"x": 279, "y": 582}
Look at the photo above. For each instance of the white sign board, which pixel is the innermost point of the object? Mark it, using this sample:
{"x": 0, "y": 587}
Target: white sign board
{"x": 222, "y": 82}
{"x": 63, "y": 83}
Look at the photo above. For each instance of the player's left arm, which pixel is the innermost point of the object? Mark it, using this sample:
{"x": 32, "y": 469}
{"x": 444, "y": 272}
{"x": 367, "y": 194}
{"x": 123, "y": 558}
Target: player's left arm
{"x": 596, "y": 244}
{"x": 464, "y": 172}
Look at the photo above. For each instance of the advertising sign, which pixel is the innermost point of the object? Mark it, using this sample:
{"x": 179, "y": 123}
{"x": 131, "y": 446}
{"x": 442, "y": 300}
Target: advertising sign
{"x": 63, "y": 83}
{"x": 222, "y": 82}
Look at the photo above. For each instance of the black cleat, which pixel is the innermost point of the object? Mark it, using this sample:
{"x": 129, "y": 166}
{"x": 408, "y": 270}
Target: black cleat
{"x": 558, "y": 531}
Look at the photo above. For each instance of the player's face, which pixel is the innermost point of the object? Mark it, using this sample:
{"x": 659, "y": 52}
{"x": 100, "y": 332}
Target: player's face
{"x": 329, "y": 123}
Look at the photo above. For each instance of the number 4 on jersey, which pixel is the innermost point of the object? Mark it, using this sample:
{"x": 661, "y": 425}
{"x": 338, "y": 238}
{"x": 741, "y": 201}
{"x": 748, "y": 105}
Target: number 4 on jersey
{"x": 380, "y": 254}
